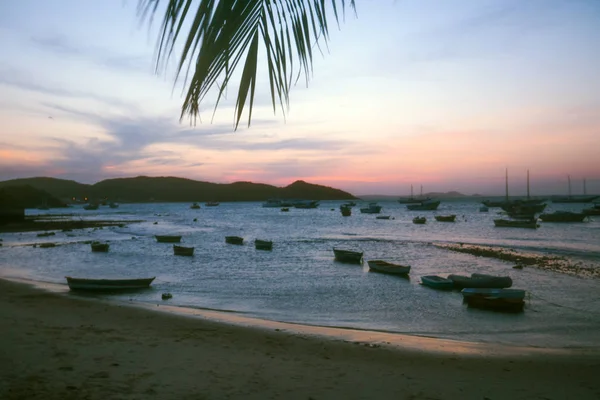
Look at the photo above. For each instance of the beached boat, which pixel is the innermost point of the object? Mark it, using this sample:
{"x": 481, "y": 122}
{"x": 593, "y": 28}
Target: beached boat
{"x": 234, "y": 240}
{"x": 507, "y": 223}
{"x": 263, "y": 244}
{"x": 429, "y": 205}
{"x": 211, "y": 203}
{"x": 480, "y": 281}
{"x": 195, "y": 206}
{"x": 372, "y": 208}
{"x": 419, "y": 220}
{"x": 168, "y": 238}
{"x": 498, "y": 293}
{"x": 563, "y": 216}
{"x": 388, "y": 267}
{"x": 108, "y": 284}
{"x": 437, "y": 282}
{"x": 591, "y": 211}
{"x": 98, "y": 247}
{"x": 183, "y": 251}
{"x": 445, "y": 218}
{"x": 495, "y": 303}
{"x": 347, "y": 256}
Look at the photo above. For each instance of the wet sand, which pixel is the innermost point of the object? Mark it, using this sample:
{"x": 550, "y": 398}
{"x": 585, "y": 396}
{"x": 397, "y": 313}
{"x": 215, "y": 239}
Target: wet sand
{"x": 61, "y": 346}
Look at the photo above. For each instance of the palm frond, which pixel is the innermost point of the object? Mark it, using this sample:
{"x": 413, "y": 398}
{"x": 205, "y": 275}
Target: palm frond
{"x": 226, "y": 34}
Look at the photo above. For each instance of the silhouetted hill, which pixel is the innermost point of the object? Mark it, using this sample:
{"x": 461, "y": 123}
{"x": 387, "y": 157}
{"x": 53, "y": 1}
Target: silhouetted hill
{"x": 173, "y": 189}
{"x": 26, "y": 196}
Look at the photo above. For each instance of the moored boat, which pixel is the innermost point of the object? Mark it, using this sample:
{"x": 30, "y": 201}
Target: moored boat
{"x": 234, "y": 240}
{"x": 429, "y": 205}
{"x": 98, "y": 247}
{"x": 480, "y": 281}
{"x": 346, "y": 210}
{"x": 91, "y": 206}
{"x": 183, "y": 251}
{"x": 388, "y": 267}
{"x": 195, "y": 206}
{"x": 168, "y": 238}
{"x": 211, "y": 203}
{"x": 305, "y": 204}
{"x": 348, "y": 256}
{"x": 497, "y": 293}
{"x": 372, "y": 208}
{"x": 419, "y": 220}
{"x": 563, "y": 216}
{"x": 503, "y": 304}
{"x": 263, "y": 244}
{"x": 437, "y": 282}
{"x": 383, "y": 217}
{"x": 445, "y": 218}
{"x": 108, "y": 284}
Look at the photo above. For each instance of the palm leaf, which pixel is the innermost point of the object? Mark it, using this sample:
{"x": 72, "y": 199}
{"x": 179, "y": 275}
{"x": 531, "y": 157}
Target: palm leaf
{"x": 222, "y": 33}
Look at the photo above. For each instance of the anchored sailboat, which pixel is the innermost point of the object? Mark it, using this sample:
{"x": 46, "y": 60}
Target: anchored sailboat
{"x": 575, "y": 199}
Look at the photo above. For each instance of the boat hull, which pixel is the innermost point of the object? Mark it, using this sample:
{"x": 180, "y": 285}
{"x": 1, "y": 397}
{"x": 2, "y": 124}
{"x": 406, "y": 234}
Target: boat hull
{"x": 348, "y": 256}
{"x": 167, "y": 239}
{"x": 263, "y": 244}
{"x": 388, "y": 268}
{"x": 183, "y": 251}
{"x": 234, "y": 240}
{"x": 480, "y": 281}
{"x": 108, "y": 284}
{"x": 437, "y": 282}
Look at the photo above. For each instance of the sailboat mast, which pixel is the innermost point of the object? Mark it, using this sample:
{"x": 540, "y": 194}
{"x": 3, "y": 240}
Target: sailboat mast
{"x": 506, "y": 179}
{"x": 527, "y": 184}
{"x": 584, "y": 189}
{"x": 411, "y": 191}
{"x": 421, "y": 191}
{"x": 569, "y": 178}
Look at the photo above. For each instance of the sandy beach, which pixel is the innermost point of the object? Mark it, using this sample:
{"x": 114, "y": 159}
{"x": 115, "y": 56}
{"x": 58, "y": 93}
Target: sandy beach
{"x": 60, "y": 346}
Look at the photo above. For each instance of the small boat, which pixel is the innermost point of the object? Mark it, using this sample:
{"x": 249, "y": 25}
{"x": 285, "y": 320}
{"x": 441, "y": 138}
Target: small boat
{"x": 412, "y": 199}
{"x": 285, "y": 209}
{"x": 305, "y": 204}
{"x": 563, "y": 216}
{"x": 508, "y": 223}
{"x": 419, "y": 220}
{"x": 498, "y": 293}
{"x": 382, "y": 217}
{"x": 504, "y": 304}
{"x": 346, "y": 210}
{"x": 480, "y": 281}
{"x": 373, "y": 208}
{"x": 347, "y": 256}
{"x": 166, "y": 296}
{"x": 211, "y": 203}
{"x": 108, "y": 284}
{"x": 591, "y": 211}
{"x": 195, "y": 206}
{"x": 183, "y": 251}
{"x": 91, "y": 206}
{"x": 47, "y": 245}
{"x": 575, "y": 199}
{"x": 388, "y": 267}
{"x": 98, "y": 247}
{"x": 234, "y": 240}
{"x": 46, "y": 234}
{"x": 429, "y": 205}
{"x": 263, "y": 244}
{"x": 437, "y": 282}
{"x": 168, "y": 239}
{"x": 445, "y": 218}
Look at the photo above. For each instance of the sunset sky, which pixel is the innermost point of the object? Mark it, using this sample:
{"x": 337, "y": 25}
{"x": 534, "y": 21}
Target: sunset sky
{"x": 440, "y": 93}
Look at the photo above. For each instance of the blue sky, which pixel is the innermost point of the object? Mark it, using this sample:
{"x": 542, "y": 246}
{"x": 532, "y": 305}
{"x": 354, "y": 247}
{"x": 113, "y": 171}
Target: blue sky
{"x": 444, "y": 94}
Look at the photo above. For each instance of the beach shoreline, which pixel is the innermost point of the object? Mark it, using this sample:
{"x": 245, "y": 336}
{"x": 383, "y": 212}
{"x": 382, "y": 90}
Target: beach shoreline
{"x": 57, "y": 345}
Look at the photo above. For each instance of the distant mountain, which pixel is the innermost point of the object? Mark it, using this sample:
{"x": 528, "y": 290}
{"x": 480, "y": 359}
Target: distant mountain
{"x": 172, "y": 189}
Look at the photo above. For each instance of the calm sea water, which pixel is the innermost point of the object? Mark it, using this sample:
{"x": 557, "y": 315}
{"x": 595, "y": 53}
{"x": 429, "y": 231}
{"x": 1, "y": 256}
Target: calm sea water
{"x": 299, "y": 281}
